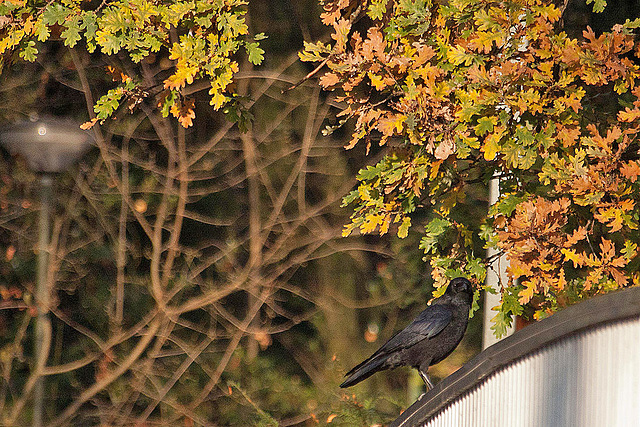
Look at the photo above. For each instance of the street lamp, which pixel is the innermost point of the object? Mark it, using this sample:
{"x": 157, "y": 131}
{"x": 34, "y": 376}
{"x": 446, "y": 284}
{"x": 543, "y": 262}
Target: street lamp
{"x": 49, "y": 145}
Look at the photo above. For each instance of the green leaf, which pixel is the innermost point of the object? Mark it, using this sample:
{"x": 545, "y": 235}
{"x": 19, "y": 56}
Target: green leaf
{"x": 29, "y": 52}
{"x": 457, "y": 55}
{"x": 501, "y": 322}
{"x": 108, "y": 103}
{"x": 115, "y": 20}
{"x": 349, "y": 198}
{"x": 173, "y": 14}
{"x": 89, "y": 24}
{"x": 523, "y": 136}
{"x": 545, "y": 138}
{"x": 485, "y": 124}
{"x": 476, "y": 268}
{"x": 632, "y": 24}
{"x": 518, "y": 156}
{"x": 256, "y": 54}
{"x": 41, "y": 30}
{"x": 554, "y": 168}
{"x": 313, "y": 52}
{"x": 486, "y": 21}
{"x": 168, "y": 102}
{"x": 630, "y": 250}
{"x": 511, "y": 151}
{"x": 433, "y": 230}
{"x": 109, "y": 43}
{"x": 598, "y": 5}
{"x": 507, "y": 204}
{"x": 508, "y": 308}
{"x": 371, "y": 172}
{"x": 394, "y": 175}
{"x": 232, "y": 24}
{"x": 71, "y": 34}
{"x": 437, "y": 226}
{"x": 487, "y": 234}
{"x": 55, "y": 13}
{"x": 377, "y": 8}
{"x": 475, "y": 306}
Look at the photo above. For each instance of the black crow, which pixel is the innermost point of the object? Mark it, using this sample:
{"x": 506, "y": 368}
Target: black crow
{"x": 431, "y": 337}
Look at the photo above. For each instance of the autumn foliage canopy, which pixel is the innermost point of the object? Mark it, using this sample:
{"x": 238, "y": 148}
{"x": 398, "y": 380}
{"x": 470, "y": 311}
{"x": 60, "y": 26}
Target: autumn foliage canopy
{"x": 466, "y": 90}
{"x": 199, "y": 40}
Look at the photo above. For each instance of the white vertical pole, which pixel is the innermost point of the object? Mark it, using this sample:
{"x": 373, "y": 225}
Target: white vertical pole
{"x": 495, "y": 276}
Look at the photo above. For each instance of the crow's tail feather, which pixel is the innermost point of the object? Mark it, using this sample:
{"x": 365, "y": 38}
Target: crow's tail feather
{"x": 364, "y": 371}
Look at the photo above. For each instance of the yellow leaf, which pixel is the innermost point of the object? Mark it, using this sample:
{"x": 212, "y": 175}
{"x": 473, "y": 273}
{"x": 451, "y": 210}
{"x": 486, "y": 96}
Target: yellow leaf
{"x": 363, "y": 192}
{"x": 527, "y": 293}
{"x": 491, "y": 143}
{"x": 611, "y": 216}
{"x": 571, "y": 255}
{"x": 378, "y": 82}
{"x": 483, "y": 42}
{"x": 457, "y": 55}
{"x": 371, "y": 221}
{"x": 435, "y": 167}
{"x": 518, "y": 269}
{"x": 399, "y": 122}
{"x": 346, "y": 231}
{"x": 490, "y": 149}
{"x": 403, "y": 230}
{"x": 217, "y": 99}
{"x": 545, "y": 266}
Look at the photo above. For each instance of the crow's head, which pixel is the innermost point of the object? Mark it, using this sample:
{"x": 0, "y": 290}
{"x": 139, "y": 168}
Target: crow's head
{"x": 460, "y": 286}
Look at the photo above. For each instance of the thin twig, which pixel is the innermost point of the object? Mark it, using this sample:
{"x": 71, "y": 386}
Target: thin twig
{"x": 308, "y": 76}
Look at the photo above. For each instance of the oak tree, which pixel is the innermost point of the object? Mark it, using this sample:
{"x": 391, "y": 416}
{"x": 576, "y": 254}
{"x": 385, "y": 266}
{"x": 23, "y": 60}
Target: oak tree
{"x": 462, "y": 91}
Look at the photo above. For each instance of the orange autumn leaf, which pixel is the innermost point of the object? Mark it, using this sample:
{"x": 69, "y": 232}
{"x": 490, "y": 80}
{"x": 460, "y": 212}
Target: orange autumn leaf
{"x": 184, "y": 112}
{"x": 329, "y": 79}
{"x": 88, "y": 125}
{"x": 444, "y": 149}
{"x": 631, "y": 170}
{"x": 628, "y": 114}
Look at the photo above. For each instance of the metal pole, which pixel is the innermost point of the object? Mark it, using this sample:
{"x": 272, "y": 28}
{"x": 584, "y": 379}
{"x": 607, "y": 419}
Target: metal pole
{"x": 42, "y": 291}
{"x": 493, "y": 279}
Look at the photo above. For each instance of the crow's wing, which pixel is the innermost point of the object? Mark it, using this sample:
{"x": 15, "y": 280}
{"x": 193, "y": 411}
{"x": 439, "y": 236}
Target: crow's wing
{"x": 428, "y": 324}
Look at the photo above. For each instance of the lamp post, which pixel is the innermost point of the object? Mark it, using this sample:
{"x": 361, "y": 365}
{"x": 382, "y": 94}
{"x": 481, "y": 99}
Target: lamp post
{"x": 49, "y": 145}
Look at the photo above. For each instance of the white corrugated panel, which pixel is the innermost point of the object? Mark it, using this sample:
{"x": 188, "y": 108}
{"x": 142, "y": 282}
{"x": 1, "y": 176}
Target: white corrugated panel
{"x": 590, "y": 379}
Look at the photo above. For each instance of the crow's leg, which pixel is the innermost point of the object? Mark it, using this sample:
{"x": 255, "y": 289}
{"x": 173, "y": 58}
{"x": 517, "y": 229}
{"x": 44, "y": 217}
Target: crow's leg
{"x": 425, "y": 378}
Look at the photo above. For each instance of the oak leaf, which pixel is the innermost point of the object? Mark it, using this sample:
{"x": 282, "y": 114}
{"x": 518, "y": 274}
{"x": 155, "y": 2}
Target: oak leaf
{"x": 631, "y": 170}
